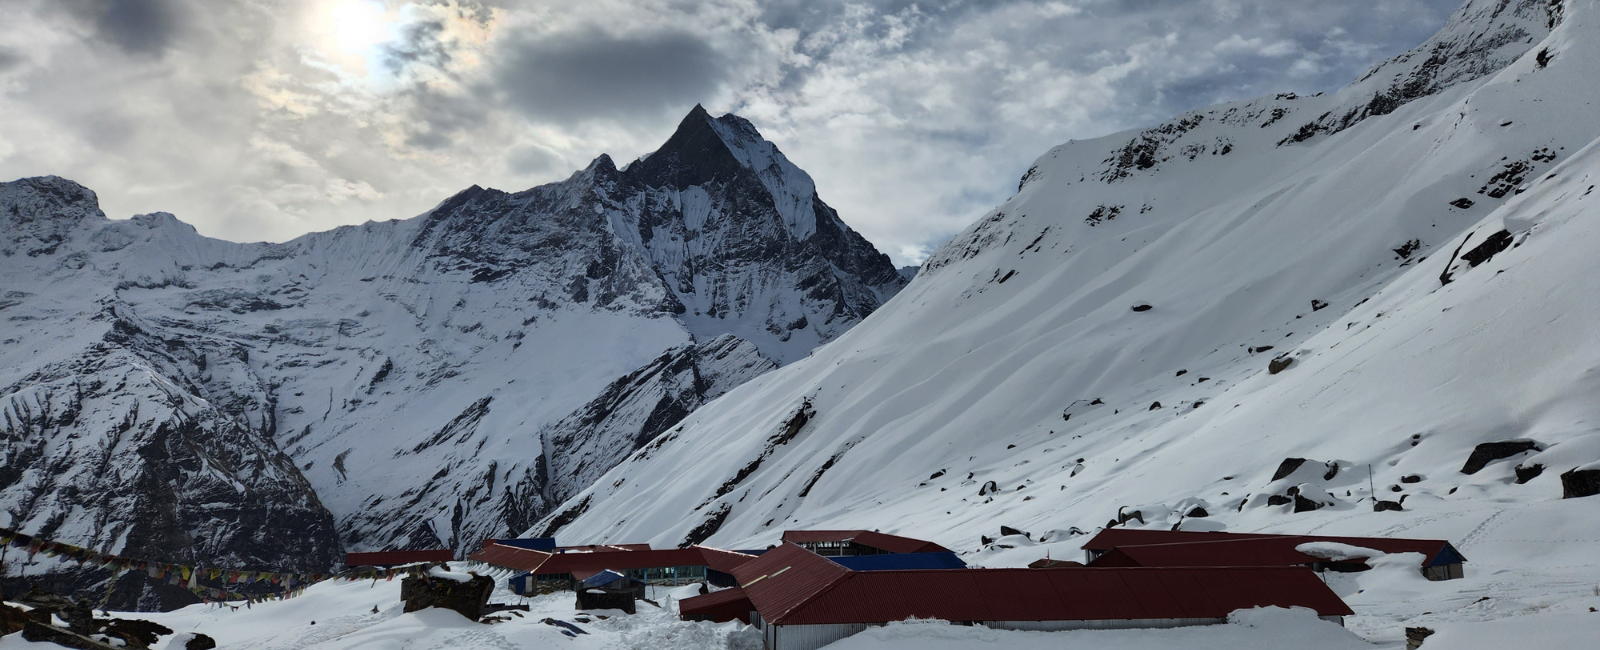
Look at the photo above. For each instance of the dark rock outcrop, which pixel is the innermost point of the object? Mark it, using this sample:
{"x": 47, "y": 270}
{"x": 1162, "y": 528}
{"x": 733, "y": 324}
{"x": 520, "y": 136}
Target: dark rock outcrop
{"x": 1577, "y": 483}
{"x": 1527, "y": 472}
{"x": 640, "y": 406}
{"x": 1489, "y": 452}
{"x": 1463, "y": 50}
{"x": 468, "y": 598}
{"x": 1287, "y": 467}
{"x": 1302, "y": 504}
{"x": 1416, "y": 635}
{"x": 200, "y": 642}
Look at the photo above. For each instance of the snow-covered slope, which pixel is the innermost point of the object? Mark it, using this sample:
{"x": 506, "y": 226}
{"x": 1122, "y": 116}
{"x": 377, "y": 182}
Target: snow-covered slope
{"x": 1160, "y": 273}
{"x": 429, "y": 377}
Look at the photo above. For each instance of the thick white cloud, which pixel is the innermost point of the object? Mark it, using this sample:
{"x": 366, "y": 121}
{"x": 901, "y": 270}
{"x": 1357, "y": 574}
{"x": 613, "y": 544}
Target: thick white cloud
{"x": 265, "y": 119}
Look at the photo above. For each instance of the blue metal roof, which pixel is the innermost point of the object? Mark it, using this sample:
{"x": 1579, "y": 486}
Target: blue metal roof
{"x": 1447, "y": 555}
{"x": 531, "y": 543}
{"x": 604, "y": 578}
{"x": 901, "y": 561}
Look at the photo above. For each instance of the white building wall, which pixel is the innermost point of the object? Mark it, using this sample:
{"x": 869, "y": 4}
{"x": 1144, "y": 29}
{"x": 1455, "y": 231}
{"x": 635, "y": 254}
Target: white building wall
{"x": 811, "y": 637}
{"x": 808, "y": 637}
{"x": 1115, "y": 624}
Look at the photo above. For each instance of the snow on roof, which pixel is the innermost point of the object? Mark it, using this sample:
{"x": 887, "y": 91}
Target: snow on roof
{"x": 1126, "y": 547}
{"x": 727, "y": 599}
{"x": 877, "y": 540}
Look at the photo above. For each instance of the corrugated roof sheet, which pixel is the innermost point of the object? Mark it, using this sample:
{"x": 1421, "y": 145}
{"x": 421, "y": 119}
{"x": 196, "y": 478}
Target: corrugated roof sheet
{"x": 901, "y": 561}
{"x": 510, "y": 557}
{"x": 720, "y": 606}
{"x": 792, "y": 586}
{"x": 713, "y": 599}
{"x": 785, "y": 578}
{"x": 884, "y": 541}
{"x": 721, "y": 560}
{"x": 602, "y": 548}
{"x": 1251, "y": 549}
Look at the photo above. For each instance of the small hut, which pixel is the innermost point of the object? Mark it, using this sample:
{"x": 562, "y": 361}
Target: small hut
{"x": 609, "y": 590}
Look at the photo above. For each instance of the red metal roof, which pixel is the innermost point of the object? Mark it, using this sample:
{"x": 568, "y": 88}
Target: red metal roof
{"x": 882, "y": 541}
{"x": 398, "y": 557}
{"x": 791, "y": 586}
{"x": 785, "y": 578}
{"x": 718, "y": 606}
{"x": 575, "y": 563}
{"x": 602, "y": 548}
{"x": 1241, "y": 549}
{"x": 721, "y": 560}
{"x": 1046, "y": 563}
{"x": 510, "y": 557}
{"x": 1237, "y": 552}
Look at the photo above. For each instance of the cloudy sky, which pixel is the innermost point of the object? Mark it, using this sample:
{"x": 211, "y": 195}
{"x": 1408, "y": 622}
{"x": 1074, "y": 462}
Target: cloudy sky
{"x": 267, "y": 119}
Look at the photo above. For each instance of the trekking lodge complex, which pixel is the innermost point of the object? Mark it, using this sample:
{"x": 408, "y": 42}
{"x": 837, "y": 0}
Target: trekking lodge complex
{"x": 819, "y": 586}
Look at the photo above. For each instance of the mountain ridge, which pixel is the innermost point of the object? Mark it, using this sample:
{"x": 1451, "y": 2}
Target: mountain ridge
{"x": 424, "y": 377}
{"x": 1109, "y": 330}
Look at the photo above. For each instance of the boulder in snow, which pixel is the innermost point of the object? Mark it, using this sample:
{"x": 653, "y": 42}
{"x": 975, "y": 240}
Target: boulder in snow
{"x": 1489, "y": 452}
{"x": 467, "y": 598}
{"x": 1580, "y": 483}
{"x": 1280, "y": 364}
{"x": 1287, "y": 467}
{"x": 1528, "y": 471}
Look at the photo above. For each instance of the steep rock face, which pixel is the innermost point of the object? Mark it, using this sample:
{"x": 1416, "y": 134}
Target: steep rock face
{"x": 413, "y": 370}
{"x": 644, "y": 403}
{"x": 1104, "y": 338}
{"x": 1481, "y": 38}
{"x": 716, "y": 226}
{"x": 113, "y": 445}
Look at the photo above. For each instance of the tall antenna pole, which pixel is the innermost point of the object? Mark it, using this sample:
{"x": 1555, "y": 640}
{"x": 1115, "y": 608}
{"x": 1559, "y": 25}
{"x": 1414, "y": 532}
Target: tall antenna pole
{"x": 1373, "y": 487}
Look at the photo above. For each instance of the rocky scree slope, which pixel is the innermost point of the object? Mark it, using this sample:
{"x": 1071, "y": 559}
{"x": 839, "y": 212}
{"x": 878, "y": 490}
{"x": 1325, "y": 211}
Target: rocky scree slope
{"x": 1218, "y": 323}
{"x": 437, "y": 380}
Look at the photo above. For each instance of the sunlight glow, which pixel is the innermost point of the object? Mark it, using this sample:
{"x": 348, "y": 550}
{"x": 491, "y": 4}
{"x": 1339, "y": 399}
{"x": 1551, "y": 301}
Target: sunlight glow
{"x": 359, "y": 26}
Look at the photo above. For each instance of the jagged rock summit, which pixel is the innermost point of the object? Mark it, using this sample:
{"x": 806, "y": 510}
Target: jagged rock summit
{"x": 716, "y": 226}
{"x": 410, "y": 383}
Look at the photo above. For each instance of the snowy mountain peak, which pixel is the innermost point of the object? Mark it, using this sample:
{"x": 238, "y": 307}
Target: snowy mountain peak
{"x": 436, "y": 380}
{"x": 1481, "y": 38}
{"x": 706, "y": 150}
{"x": 41, "y": 213}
